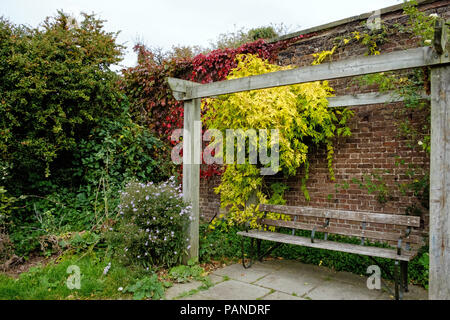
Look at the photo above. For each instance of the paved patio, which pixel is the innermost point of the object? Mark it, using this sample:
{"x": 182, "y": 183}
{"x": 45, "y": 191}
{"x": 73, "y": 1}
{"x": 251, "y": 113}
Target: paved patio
{"x": 286, "y": 280}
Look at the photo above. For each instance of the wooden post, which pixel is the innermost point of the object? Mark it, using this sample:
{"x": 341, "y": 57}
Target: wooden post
{"x": 439, "y": 286}
{"x": 191, "y": 171}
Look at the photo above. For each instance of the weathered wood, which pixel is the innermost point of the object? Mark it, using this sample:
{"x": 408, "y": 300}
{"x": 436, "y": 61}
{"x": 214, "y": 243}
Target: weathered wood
{"x": 379, "y": 235}
{"x": 440, "y": 184}
{"x": 397, "y": 60}
{"x": 180, "y": 87}
{"x": 361, "y": 216}
{"x": 440, "y": 36}
{"x": 366, "y": 99}
{"x": 330, "y": 245}
{"x": 191, "y": 172}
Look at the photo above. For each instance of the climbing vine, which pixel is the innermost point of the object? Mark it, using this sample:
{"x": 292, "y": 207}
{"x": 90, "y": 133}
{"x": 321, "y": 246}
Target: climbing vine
{"x": 410, "y": 85}
{"x": 153, "y": 104}
{"x": 300, "y": 113}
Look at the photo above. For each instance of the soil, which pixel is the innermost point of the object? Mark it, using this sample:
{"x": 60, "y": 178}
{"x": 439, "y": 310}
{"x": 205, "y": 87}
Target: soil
{"x": 19, "y": 265}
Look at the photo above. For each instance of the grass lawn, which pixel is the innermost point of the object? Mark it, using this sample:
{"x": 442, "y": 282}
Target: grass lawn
{"x": 49, "y": 281}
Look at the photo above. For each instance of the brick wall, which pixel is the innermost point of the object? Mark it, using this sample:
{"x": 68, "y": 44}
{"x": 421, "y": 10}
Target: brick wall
{"x": 374, "y": 145}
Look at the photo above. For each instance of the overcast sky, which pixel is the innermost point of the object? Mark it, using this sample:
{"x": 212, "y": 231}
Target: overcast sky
{"x": 165, "y": 23}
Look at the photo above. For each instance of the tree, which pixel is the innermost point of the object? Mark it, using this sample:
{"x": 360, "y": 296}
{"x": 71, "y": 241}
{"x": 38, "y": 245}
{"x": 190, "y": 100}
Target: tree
{"x": 55, "y": 85}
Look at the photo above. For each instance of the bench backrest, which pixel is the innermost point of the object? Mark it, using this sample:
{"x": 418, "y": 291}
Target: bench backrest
{"x": 348, "y": 223}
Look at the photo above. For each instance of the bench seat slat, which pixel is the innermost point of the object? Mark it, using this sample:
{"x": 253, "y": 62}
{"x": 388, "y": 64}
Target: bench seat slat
{"x": 361, "y": 216}
{"x": 379, "y": 235}
{"x": 329, "y": 245}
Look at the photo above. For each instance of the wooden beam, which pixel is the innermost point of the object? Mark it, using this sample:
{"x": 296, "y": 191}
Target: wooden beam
{"x": 440, "y": 36}
{"x": 366, "y": 99}
{"x": 191, "y": 172}
{"x": 405, "y": 59}
{"x": 439, "y": 281}
{"x": 180, "y": 87}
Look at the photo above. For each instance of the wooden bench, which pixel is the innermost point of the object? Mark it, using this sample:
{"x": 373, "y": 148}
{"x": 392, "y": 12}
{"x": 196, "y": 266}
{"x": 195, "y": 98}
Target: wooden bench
{"x": 364, "y": 225}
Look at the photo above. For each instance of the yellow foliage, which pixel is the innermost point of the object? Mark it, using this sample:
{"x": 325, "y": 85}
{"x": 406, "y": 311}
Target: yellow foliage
{"x": 321, "y": 56}
{"x": 300, "y": 113}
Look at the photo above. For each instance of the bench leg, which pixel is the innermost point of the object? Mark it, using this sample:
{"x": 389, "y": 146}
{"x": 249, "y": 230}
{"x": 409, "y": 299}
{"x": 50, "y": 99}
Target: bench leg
{"x": 398, "y": 281}
{"x": 251, "y": 253}
{"x": 258, "y": 250}
{"x": 404, "y": 267}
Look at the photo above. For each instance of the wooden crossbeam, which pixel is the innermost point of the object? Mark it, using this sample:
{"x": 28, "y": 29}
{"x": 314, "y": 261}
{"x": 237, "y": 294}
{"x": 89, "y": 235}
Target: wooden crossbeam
{"x": 398, "y": 60}
{"x": 181, "y": 87}
{"x": 366, "y": 99}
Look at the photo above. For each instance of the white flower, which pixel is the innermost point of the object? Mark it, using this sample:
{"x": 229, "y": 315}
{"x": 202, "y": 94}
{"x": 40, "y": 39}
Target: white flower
{"x": 420, "y": 143}
{"x": 119, "y": 289}
{"x": 105, "y": 271}
{"x": 434, "y": 15}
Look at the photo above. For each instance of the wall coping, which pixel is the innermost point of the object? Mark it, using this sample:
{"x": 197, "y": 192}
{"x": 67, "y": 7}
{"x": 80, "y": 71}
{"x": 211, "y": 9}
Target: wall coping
{"x": 336, "y": 23}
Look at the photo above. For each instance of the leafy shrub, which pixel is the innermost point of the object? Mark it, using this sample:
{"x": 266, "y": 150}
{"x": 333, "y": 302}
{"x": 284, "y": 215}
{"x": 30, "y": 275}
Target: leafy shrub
{"x": 216, "y": 244}
{"x": 55, "y": 83}
{"x": 152, "y": 227}
{"x": 184, "y": 273}
{"x": 118, "y": 150}
{"x": 6, "y": 248}
{"x": 79, "y": 242}
{"x": 147, "y": 287}
{"x": 57, "y": 96}
{"x": 83, "y": 196}
{"x": 6, "y": 206}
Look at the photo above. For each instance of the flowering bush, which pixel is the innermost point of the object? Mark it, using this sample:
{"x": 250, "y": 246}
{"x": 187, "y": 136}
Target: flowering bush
{"x": 152, "y": 227}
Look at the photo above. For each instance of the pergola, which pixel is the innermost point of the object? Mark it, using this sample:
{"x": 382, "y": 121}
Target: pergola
{"x": 436, "y": 57}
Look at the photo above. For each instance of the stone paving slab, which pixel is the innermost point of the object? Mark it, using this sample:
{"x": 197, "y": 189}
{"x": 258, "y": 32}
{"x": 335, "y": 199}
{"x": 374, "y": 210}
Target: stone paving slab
{"x": 281, "y": 296}
{"x": 338, "y": 290}
{"x": 238, "y": 272}
{"x": 180, "y": 288}
{"x": 231, "y": 290}
{"x": 292, "y": 280}
{"x": 215, "y": 278}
